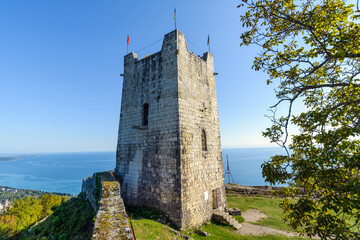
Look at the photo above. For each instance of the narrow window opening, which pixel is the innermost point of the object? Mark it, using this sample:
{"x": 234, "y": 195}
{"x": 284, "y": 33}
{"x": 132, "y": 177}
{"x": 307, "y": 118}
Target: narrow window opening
{"x": 203, "y": 140}
{"x": 145, "y": 119}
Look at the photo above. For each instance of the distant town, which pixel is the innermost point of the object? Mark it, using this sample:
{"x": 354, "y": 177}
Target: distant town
{"x": 4, "y": 202}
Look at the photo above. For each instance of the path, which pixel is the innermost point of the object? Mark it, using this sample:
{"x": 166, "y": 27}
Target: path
{"x": 254, "y": 215}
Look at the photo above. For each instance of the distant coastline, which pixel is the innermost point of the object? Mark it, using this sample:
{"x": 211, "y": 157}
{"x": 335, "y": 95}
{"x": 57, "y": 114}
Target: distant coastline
{"x": 13, "y": 158}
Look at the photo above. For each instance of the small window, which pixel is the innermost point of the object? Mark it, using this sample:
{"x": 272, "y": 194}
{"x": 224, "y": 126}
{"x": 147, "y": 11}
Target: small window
{"x": 203, "y": 140}
{"x": 145, "y": 114}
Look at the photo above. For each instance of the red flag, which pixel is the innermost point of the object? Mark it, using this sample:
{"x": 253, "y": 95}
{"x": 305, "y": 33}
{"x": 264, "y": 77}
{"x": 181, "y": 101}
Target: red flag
{"x": 128, "y": 40}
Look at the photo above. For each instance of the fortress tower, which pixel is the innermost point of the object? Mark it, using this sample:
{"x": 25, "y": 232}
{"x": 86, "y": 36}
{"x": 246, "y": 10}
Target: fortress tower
{"x": 169, "y": 152}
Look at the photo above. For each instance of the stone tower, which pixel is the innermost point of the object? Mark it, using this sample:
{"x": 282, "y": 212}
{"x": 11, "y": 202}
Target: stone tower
{"x": 169, "y": 152}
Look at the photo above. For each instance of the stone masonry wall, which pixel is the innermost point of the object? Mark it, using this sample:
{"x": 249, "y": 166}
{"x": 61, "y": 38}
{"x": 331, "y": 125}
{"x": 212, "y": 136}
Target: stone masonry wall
{"x": 88, "y": 188}
{"x": 162, "y": 164}
{"x": 201, "y": 170}
{"x": 111, "y": 218}
{"x": 148, "y": 158}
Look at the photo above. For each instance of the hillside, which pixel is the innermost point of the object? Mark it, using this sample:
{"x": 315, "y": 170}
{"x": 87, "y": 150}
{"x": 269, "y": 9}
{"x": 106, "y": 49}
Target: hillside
{"x": 24, "y": 213}
{"x": 9, "y": 194}
{"x": 73, "y": 219}
{"x": 54, "y": 217}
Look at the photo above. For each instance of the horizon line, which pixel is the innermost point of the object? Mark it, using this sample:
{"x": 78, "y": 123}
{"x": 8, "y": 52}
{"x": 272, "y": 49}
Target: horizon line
{"x": 98, "y": 151}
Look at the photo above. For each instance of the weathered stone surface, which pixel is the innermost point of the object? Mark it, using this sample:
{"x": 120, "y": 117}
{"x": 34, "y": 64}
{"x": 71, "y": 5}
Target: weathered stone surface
{"x": 235, "y": 211}
{"x": 202, "y": 233}
{"x": 177, "y": 233}
{"x": 88, "y": 188}
{"x": 226, "y": 218}
{"x": 111, "y": 219}
{"x": 161, "y": 162}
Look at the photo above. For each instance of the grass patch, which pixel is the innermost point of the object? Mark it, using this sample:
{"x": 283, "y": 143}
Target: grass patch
{"x": 150, "y": 229}
{"x": 224, "y": 232}
{"x": 146, "y": 222}
{"x": 269, "y": 206}
{"x": 149, "y": 223}
{"x": 240, "y": 219}
{"x": 137, "y": 213}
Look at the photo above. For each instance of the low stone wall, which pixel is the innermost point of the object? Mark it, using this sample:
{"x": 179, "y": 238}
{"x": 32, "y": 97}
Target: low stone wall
{"x": 250, "y": 190}
{"x": 111, "y": 219}
{"x": 88, "y": 188}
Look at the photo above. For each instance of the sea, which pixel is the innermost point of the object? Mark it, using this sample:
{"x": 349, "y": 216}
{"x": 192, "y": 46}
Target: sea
{"x": 63, "y": 172}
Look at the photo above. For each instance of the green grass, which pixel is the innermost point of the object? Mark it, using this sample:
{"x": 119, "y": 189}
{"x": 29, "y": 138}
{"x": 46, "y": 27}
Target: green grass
{"x": 223, "y": 232}
{"x": 146, "y": 223}
{"x": 239, "y": 219}
{"x": 150, "y": 229}
{"x": 146, "y": 226}
{"x": 267, "y": 205}
{"x": 74, "y": 220}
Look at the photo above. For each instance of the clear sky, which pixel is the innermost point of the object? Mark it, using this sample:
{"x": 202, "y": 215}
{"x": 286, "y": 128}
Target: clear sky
{"x": 60, "y": 61}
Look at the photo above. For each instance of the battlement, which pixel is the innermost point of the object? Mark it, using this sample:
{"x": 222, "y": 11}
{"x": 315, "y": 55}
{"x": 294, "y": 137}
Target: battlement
{"x": 174, "y": 42}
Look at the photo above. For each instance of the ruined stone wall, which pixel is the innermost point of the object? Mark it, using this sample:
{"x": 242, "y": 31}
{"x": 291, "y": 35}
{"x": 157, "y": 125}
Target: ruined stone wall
{"x": 88, "y": 188}
{"x": 148, "y": 159}
{"x": 111, "y": 219}
{"x": 201, "y": 170}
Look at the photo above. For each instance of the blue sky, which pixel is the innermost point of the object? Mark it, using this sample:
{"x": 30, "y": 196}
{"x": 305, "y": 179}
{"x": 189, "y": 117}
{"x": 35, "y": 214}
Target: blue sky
{"x": 60, "y": 61}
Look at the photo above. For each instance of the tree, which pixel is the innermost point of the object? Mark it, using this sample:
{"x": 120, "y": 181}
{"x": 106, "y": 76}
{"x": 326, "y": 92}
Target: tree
{"x": 311, "y": 52}
{"x": 23, "y": 213}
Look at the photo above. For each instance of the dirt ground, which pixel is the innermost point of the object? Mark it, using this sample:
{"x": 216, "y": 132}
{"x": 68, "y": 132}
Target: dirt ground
{"x": 254, "y": 215}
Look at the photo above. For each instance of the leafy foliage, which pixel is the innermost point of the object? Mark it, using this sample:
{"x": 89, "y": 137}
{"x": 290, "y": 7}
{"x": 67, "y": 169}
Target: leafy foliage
{"x": 25, "y": 212}
{"x": 74, "y": 219}
{"x": 98, "y": 189}
{"x": 310, "y": 50}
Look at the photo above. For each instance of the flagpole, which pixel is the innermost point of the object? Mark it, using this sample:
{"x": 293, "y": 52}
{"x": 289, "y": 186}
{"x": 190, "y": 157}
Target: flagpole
{"x": 175, "y": 17}
{"x": 208, "y": 42}
{"x": 127, "y": 43}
